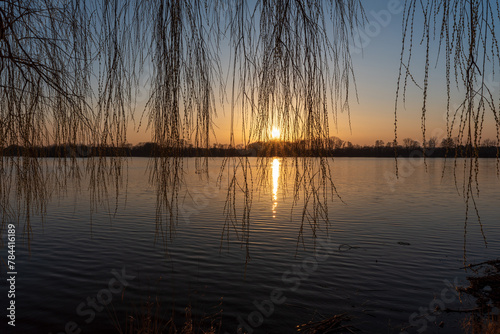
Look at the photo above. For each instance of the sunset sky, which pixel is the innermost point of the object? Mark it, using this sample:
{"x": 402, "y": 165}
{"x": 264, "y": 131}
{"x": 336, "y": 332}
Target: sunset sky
{"x": 376, "y": 66}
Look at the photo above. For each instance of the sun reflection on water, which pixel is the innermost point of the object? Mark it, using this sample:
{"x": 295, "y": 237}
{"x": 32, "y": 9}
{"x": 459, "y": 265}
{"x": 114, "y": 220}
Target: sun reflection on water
{"x": 276, "y": 175}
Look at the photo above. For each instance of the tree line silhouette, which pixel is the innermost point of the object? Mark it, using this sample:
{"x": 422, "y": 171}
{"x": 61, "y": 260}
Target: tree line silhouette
{"x": 335, "y": 147}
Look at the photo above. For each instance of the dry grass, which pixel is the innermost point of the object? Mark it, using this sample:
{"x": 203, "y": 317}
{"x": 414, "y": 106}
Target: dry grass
{"x": 485, "y": 288}
{"x": 151, "y": 318}
{"x": 335, "y": 324}
{"x": 478, "y": 325}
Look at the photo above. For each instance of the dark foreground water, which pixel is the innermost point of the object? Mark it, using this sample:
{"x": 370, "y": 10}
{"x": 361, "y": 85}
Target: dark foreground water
{"x": 391, "y": 250}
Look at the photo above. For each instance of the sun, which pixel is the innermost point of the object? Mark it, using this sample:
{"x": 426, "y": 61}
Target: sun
{"x": 275, "y": 133}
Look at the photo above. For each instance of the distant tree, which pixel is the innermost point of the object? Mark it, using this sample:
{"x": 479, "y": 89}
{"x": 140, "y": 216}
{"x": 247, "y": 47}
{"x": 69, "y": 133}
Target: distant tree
{"x": 336, "y": 143}
{"x": 432, "y": 143}
{"x": 448, "y": 143}
{"x": 489, "y": 143}
{"x": 409, "y": 143}
{"x": 379, "y": 143}
{"x": 183, "y": 143}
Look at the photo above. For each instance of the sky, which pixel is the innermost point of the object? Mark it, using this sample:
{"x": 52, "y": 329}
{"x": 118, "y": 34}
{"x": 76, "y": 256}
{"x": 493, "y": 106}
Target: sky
{"x": 377, "y": 68}
{"x": 376, "y": 58}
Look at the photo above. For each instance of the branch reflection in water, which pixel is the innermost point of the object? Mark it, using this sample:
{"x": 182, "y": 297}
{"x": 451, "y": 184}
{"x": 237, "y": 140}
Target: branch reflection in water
{"x": 28, "y": 183}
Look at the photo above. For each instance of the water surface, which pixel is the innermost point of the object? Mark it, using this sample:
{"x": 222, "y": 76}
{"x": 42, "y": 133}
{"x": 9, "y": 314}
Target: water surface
{"x": 389, "y": 248}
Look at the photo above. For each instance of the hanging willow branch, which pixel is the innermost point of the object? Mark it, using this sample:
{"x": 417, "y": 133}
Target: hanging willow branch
{"x": 288, "y": 63}
{"x": 464, "y": 31}
{"x": 288, "y": 60}
{"x": 68, "y": 68}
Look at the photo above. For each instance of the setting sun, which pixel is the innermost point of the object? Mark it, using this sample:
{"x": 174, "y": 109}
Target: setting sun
{"x": 275, "y": 133}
